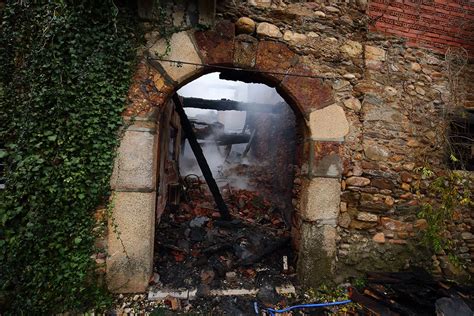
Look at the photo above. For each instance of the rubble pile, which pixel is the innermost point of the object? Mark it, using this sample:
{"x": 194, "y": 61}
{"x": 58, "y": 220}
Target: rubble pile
{"x": 195, "y": 248}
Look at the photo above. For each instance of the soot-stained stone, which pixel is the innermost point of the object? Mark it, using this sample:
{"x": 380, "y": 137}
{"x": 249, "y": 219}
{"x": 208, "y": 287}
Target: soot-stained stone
{"x": 310, "y": 93}
{"x": 327, "y": 161}
{"x": 275, "y": 57}
{"x": 245, "y": 52}
{"x": 217, "y": 45}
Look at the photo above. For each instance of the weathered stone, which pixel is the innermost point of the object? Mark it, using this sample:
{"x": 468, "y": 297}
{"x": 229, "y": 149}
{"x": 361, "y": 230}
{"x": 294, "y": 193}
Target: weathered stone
{"x": 356, "y": 224}
{"x": 316, "y": 259}
{"x": 135, "y": 161}
{"x": 351, "y": 48}
{"x": 216, "y": 46}
{"x": 405, "y": 186}
{"x": 261, "y": 3}
{"x": 375, "y": 53}
{"x": 379, "y": 238}
{"x": 374, "y": 202}
{"x": 312, "y": 93}
{"x": 296, "y": 38}
{"x": 275, "y": 57}
{"x": 353, "y": 104}
{"x": 344, "y": 220}
{"x": 368, "y": 87}
{"x": 265, "y": 29}
{"x": 245, "y": 54}
{"x": 382, "y": 183}
{"x": 182, "y": 49}
{"x": 332, "y": 9}
{"x": 367, "y": 217}
{"x": 320, "y": 14}
{"x": 379, "y": 112}
{"x": 327, "y": 160}
{"x": 467, "y": 236}
{"x": 130, "y": 261}
{"x": 376, "y": 152}
{"x": 406, "y": 177}
{"x": 421, "y": 224}
{"x": 393, "y": 225}
{"x": 357, "y": 181}
{"x": 374, "y": 57}
{"x": 415, "y": 67}
{"x": 245, "y": 25}
{"x": 320, "y": 199}
{"x": 329, "y": 123}
{"x": 420, "y": 91}
{"x": 362, "y": 4}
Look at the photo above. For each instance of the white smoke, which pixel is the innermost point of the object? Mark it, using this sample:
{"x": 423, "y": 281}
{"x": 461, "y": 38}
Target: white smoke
{"x": 211, "y": 87}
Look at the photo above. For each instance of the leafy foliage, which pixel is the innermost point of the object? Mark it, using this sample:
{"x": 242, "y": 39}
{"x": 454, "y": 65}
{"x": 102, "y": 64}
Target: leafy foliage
{"x": 65, "y": 67}
{"x": 447, "y": 194}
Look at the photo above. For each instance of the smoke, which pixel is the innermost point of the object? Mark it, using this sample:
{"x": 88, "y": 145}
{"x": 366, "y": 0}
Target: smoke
{"x": 220, "y": 160}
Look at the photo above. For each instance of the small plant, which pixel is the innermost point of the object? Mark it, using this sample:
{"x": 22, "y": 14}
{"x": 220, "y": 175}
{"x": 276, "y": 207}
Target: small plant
{"x": 445, "y": 194}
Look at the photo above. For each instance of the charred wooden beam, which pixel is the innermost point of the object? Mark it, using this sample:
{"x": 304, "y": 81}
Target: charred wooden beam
{"x": 230, "y": 139}
{"x": 206, "y": 171}
{"x": 230, "y": 105}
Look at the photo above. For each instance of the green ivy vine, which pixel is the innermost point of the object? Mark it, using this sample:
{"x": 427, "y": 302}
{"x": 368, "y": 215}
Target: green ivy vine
{"x": 65, "y": 68}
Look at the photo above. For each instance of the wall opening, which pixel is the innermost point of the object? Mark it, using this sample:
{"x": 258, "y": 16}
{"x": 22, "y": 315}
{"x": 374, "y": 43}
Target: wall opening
{"x": 249, "y": 137}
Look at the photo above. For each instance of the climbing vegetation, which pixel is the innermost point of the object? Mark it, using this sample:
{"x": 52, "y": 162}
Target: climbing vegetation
{"x": 65, "y": 67}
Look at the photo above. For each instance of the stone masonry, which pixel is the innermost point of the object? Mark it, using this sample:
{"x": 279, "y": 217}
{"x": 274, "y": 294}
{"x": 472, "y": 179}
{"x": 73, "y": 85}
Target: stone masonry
{"x": 370, "y": 109}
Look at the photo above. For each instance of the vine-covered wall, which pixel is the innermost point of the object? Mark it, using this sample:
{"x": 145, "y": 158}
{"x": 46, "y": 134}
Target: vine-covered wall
{"x": 65, "y": 69}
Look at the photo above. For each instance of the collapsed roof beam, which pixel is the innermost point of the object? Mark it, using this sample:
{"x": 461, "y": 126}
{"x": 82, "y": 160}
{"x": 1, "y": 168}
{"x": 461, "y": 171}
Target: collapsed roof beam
{"x": 229, "y": 105}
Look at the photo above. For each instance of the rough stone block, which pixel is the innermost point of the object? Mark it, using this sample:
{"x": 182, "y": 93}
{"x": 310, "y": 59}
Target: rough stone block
{"x": 134, "y": 165}
{"x": 320, "y": 199}
{"x": 275, "y": 57}
{"x": 130, "y": 262}
{"x": 311, "y": 93}
{"x": 329, "y": 123}
{"x": 316, "y": 256}
{"x": 326, "y": 161}
{"x": 245, "y": 54}
{"x": 217, "y": 45}
{"x": 180, "y": 48}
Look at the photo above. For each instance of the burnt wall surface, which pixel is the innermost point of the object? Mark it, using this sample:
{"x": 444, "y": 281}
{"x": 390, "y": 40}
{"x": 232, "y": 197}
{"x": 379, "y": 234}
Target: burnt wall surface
{"x": 373, "y": 109}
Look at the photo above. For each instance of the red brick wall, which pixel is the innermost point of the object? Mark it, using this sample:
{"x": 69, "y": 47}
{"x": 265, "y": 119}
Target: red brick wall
{"x": 436, "y": 24}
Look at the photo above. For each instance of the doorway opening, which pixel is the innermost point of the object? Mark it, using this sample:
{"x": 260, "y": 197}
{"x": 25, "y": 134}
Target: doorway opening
{"x": 249, "y": 136}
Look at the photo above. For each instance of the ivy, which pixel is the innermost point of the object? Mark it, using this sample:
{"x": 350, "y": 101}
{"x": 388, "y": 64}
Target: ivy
{"x": 65, "y": 67}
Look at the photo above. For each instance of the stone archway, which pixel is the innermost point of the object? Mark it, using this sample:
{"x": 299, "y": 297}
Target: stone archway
{"x": 134, "y": 180}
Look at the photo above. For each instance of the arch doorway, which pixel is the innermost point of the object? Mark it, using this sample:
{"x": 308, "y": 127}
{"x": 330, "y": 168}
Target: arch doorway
{"x": 139, "y": 173}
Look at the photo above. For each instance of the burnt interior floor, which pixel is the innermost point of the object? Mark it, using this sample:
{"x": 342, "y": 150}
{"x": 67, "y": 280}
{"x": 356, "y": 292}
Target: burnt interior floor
{"x": 195, "y": 249}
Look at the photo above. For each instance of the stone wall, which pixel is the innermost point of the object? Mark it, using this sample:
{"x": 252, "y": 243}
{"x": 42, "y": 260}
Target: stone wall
{"x": 372, "y": 111}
